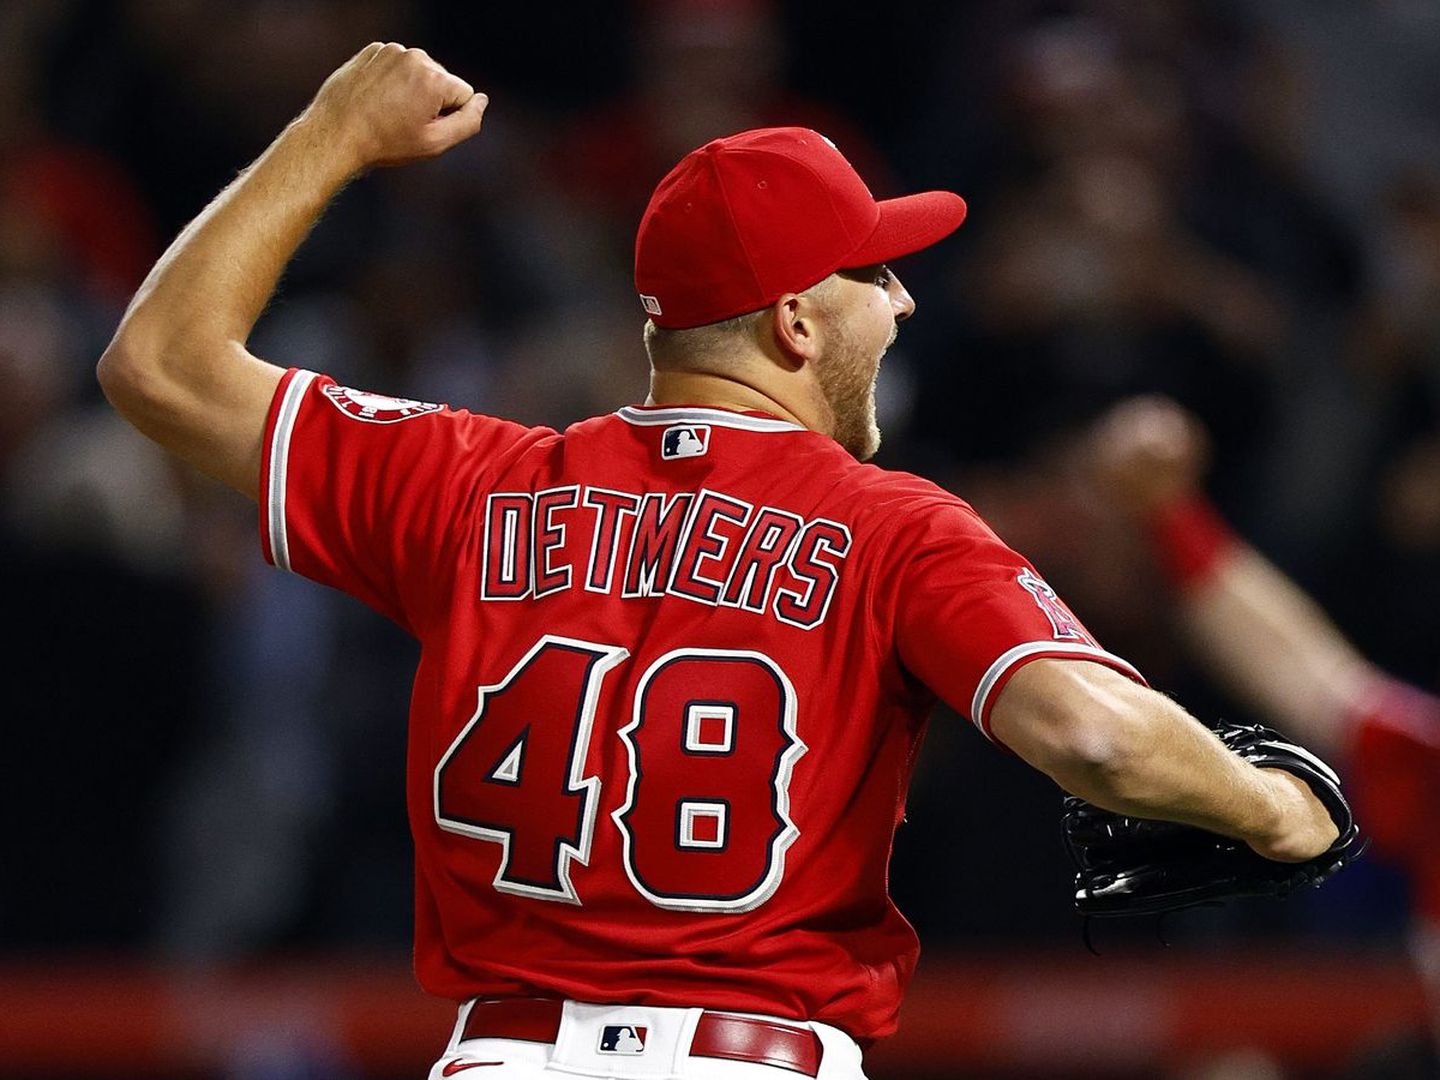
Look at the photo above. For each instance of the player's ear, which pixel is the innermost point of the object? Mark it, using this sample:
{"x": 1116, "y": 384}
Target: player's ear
{"x": 797, "y": 328}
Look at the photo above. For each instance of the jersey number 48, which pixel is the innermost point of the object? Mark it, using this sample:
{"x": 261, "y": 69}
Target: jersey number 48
{"x": 711, "y": 744}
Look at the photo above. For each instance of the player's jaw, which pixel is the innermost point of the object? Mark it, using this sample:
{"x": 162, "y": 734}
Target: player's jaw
{"x": 847, "y": 374}
{"x": 863, "y": 311}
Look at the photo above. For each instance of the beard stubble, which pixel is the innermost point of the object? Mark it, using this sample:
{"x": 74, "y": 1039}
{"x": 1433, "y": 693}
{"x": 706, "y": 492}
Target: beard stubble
{"x": 847, "y": 378}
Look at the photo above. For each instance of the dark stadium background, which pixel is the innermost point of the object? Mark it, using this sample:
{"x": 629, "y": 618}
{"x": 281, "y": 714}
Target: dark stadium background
{"x": 204, "y": 868}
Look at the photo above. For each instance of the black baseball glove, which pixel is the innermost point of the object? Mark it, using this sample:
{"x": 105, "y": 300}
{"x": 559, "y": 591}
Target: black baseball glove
{"x": 1139, "y": 866}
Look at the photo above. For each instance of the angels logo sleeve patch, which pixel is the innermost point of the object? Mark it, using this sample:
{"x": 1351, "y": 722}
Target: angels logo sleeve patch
{"x": 375, "y": 408}
{"x": 351, "y": 478}
{"x": 975, "y": 612}
{"x": 1062, "y": 621}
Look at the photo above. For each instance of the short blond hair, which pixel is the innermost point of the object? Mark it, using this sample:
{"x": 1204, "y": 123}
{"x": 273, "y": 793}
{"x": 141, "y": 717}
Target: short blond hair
{"x": 700, "y": 346}
{"x": 713, "y": 345}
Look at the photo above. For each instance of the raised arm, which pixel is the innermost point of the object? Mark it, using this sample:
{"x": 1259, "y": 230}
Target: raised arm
{"x": 1254, "y": 629}
{"x": 178, "y": 368}
{"x": 1129, "y": 749}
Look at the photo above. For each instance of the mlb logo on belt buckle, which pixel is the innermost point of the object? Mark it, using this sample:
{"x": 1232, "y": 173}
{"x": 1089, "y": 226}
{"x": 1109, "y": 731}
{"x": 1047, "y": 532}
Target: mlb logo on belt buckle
{"x": 622, "y": 1039}
{"x": 687, "y": 440}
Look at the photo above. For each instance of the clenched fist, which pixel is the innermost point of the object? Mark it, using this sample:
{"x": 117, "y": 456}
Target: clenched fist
{"x": 387, "y": 105}
{"x": 1147, "y": 452}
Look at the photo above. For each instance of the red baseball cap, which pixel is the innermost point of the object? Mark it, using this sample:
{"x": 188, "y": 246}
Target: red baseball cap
{"x": 745, "y": 219}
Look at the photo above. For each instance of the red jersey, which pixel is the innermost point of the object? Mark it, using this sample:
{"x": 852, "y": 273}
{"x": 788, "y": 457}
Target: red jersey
{"x": 1393, "y": 763}
{"x": 675, "y": 666}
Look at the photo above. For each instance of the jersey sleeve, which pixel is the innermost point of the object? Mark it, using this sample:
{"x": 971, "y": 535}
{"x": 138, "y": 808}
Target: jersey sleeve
{"x": 363, "y": 492}
{"x": 1392, "y": 762}
{"x": 969, "y": 612}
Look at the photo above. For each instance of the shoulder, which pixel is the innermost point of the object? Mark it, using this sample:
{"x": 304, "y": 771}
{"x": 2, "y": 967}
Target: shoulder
{"x": 314, "y": 417}
{"x": 372, "y": 411}
{"x": 894, "y": 486}
{"x": 888, "y": 500}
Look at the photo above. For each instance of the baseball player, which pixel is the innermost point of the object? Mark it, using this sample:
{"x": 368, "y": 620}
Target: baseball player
{"x": 676, "y": 660}
{"x": 1272, "y": 646}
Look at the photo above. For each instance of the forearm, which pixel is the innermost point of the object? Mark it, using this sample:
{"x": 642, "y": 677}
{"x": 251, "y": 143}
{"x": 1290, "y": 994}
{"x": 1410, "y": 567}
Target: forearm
{"x": 1258, "y": 634}
{"x": 210, "y": 287}
{"x": 1131, "y": 750}
{"x": 1166, "y": 764}
{"x": 1276, "y": 650}
{"x": 177, "y": 367}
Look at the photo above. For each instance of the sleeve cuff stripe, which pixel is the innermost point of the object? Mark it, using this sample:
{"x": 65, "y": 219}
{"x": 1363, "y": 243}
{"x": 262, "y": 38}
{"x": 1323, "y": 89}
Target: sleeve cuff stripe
{"x": 279, "y": 465}
{"x": 1033, "y": 650}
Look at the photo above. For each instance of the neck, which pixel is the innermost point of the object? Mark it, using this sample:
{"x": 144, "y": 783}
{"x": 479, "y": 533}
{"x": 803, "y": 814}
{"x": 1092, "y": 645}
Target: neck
{"x": 723, "y": 392}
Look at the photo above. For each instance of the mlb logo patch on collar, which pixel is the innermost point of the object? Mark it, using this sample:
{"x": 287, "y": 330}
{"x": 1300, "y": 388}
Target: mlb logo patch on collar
{"x": 622, "y": 1039}
{"x": 684, "y": 440}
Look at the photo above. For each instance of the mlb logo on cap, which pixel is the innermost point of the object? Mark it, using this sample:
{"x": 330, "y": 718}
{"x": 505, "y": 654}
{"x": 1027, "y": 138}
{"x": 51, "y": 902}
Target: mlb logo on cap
{"x": 622, "y": 1039}
{"x": 688, "y": 440}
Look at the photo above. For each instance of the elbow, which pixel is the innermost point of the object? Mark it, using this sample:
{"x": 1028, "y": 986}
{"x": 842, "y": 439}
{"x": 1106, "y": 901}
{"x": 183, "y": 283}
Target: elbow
{"x": 121, "y": 374}
{"x": 129, "y": 372}
{"x": 1103, "y": 740}
{"x": 1089, "y": 728}
{"x": 1101, "y": 744}
{"x": 115, "y": 369}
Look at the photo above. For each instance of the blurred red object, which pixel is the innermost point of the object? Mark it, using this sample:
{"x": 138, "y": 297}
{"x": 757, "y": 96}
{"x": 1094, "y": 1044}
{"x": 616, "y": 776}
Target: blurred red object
{"x": 90, "y": 206}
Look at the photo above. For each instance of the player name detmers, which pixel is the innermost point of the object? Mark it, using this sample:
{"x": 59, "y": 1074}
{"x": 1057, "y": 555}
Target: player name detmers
{"x": 702, "y": 546}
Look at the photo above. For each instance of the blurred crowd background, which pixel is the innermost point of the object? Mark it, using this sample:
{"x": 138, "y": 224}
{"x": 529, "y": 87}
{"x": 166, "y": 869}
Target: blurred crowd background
{"x": 1234, "y": 204}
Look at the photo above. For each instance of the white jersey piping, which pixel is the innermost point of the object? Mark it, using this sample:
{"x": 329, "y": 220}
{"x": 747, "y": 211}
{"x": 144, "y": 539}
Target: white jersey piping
{"x": 1011, "y": 657}
{"x": 696, "y": 415}
{"x": 279, "y": 465}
